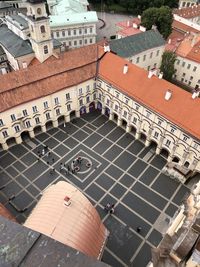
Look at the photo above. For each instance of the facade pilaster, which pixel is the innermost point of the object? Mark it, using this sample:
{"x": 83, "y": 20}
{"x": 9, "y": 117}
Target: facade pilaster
{"x": 55, "y": 123}
{"x": 4, "y": 146}
{"x": 44, "y": 129}
{"x": 31, "y": 134}
{"x": 18, "y": 139}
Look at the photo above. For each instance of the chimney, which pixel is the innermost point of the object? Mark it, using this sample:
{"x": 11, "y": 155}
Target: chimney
{"x": 135, "y": 26}
{"x": 128, "y": 23}
{"x": 139, "y": 17}
{"x": 24, "y": 65}
{"x": 160, "y": 75}
{"x": 152, "y": 72}
{"x": 169, "y": 41}
{"x": 125, "y": 69}
{"x": 168, "y": 95}
{"x": 4, "y": 71}
{"x": 67, "y": 201}
{"x": 106, "y": 47}
{"x": 195, "y": 94}
{"x": 142, "y": 29}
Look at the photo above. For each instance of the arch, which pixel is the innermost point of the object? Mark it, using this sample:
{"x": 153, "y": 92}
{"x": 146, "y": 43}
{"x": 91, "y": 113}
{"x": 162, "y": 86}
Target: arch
{"x": 37, "y": 129}
{"x": 125, "y": 106}
{"x": 72, "y": 115}
{"x": 92, "y": 106}
{"x": 49, "y": 124}
{"x": 164, "y": 152}
{"x": 186, "y": 164}
{"x": 107, "y": 112}
{"x": 133, "y": 130}
{"x": 61, "y": 119}
{"x": 124, "y": 123}
{"x": 115, "y": 117}
{"x": 11, "y": 141}
{"x": 42, "y": 29}
{"x": 175, "y": 159}
{"x": 99, "y": 106}
{"x": 143, "y": 137}
{"x": 25, "y": 135}
{"x": 82, "y": 110}
{"x": 153, "y": 144}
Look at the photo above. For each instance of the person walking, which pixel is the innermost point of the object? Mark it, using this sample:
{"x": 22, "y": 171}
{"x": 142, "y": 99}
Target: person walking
{"x": 107, "y": 207}
{"x": 139, "y": 229}
{"x": 112, "y": 210}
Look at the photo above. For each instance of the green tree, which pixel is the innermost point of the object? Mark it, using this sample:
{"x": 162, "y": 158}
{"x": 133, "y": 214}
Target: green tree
{"x": 161, "y": 17}
{"x": 167, "y": 65}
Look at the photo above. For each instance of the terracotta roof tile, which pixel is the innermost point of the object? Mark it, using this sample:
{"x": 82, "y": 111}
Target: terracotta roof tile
{"x": 188, "y": 12}
{"x": 181, "y": 109}
{"x": 182, "y": 27}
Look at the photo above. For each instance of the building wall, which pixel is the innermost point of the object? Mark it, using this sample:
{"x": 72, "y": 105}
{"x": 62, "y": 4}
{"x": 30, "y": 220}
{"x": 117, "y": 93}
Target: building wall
{"x": 21, "y": 33}
{"x": 187, "y": 72}
{"x": 187, "y": 3}
{"x": 76, "y": 35}
{"x": 148, "y": 59}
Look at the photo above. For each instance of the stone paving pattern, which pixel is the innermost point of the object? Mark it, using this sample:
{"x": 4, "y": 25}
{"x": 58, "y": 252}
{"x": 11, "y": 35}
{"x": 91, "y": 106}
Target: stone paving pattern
{"x": 119, "y": 174}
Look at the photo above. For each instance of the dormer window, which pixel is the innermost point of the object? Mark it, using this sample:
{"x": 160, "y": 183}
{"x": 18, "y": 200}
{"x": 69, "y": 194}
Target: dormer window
{"x": 39, "y": 11}
{"x": 45, "y": 49}
{"x": 42, "y": 29}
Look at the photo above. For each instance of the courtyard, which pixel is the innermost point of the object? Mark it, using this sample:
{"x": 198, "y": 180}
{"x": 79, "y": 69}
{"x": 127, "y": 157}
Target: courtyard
{"x": 121, "y": 171}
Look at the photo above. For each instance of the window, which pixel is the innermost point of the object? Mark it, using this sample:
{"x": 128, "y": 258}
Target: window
{"x": 144, "y": 57}
{"x": 182, "y": 79}
{"x": 183, "y": 64}
{"x": 45, "y": 104}
{"x": 157, "y": 53}
{"x": 134, "y": 120}
{"x": 42, "y": 29}
{"x": 116, "y": 107}
{"x": 75, "y": 43}
{"x": 94, "y": 86}
{"x": 189, "y": 83}
{"x": 80, "y": 42}
{"x": 13, "y": 118}
{"x": 67, "y": 96}
{"x": 70, "y": 43}
{"x": 28, "y": 124}
{"x": 57, "y": 111}
{"x": 5, "y": 134}
{"x": 56, "y": 101}
{"x": 34, "y": 109}
{"x": 81, "y": 102}
{"x": 155, "y": 65}
{"x": 90, "y": 29}
{"x": 25, "y": 113}
{"x": 69, "y": 32}
{"x": 156, "y": 134}
{"x": 39, "y": 11}
{"x": 195, "y": 68}
{"x": 191, "y": 78}
{"x": 108, "y": 102}
{"x": 178, "y": 61}
{"x": 48, "y": 116}
{"x": 94, "y": 96}
{"x": 188, "y": 66}
{"x": 17, "y": 128}
{"x": 80, "y": 90}
{"x": 87, "y": 88}
{"x": 85, "y": 41}
{"x": 168, "y": 143}
{"x": 183, "y": 74}
{"x": 45, "y": 49}
{"x": 151, "y": 54}
{"x": 159, "y": 122}
{"x": 1, "y": 122}
{"x": 80, "y": 31}
{"x": 137, "y": 107}
{"x": 63, "y": 33}
{"x": 138, "y": 59}
{"x": 90, "y": 40}
{"x": 99, "y": 96}
{"x": 172, "y": 130}
{"x": 57, "y": 34}
{"x": 37, "y": 120}
{"x": 148, "y": 68}
{"x": 126, "y": 101}
{"x": 125, "y": 113}
{"x": 88, "y": 99}
{"x": 68, "y": 107}
{"x": 85, "y": 30}
{"x": 185, "y": 138}
{"x": 74, "y": 32}
{"x": 195, "y": 145}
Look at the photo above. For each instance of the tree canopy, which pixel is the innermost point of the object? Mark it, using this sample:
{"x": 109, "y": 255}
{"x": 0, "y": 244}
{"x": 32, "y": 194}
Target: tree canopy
{"x": 161, "y": 17}
{"x": 167, "y": 65}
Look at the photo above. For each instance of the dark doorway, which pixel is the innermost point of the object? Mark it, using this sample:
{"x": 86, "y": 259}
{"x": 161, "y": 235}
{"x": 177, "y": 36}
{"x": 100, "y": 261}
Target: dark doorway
{"x": 153, "y": 145}
{"x": 92, "y": 107}
{"x": 99, "y": 106}
{"x": 49, "y": 125}
{"x": 25, "y": 136}
{"x": 107, "y": 112}
{"x": 61, "y": 120}
{"x": 124, "y": 123}
{"x": 115, "y": 117}
{"x": 133, "y": 130}
{"x": 82, "y": 110}
{"x": 164, "y": 153}
{"x": 37, "y": 130}
{"x": 175, "y": 159}
{"x": 143, "y": 137}
{"x": 11, "y": 141}
{"x": 72, "y": 115}
{"x": 186, "y": 164}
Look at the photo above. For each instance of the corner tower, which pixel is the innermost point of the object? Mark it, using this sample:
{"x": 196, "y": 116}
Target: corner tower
{"x": 40, "y": 33}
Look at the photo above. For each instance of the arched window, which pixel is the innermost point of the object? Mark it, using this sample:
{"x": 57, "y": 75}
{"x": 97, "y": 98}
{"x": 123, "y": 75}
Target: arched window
{"x": 42, "y": 29}
{"x": 45, "y": 49}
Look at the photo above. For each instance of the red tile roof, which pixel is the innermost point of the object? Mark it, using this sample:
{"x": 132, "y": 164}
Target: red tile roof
{"x": 181, "y": 109}
{"x": 128, "y": 32}
{"x": 51, "y": 76}
{"x": 188, "y": 12}
{"x": 182, "y": 27}
{"x": 128, "y": 23}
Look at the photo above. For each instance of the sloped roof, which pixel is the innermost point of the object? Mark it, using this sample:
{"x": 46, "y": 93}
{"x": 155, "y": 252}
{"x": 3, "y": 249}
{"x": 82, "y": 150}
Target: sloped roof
{"x": 18, "y": 20}
{"x": 15, "y": 45}
{"x": 77, "y": 225}
{"x": 135, "y": 44}
{"x": 181, "y": 109}
{"x": 188, "y": 12}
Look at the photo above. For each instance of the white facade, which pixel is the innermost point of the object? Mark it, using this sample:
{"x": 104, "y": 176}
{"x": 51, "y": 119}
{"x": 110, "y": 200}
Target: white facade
{"x": 187, "y": 3}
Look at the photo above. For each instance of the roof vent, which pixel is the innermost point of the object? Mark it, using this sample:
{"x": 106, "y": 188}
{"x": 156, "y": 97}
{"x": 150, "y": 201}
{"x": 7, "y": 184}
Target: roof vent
{"x": 106, "y": 47}
{"x": 195, "y": 95}
{"x": 135, "y": 26}
{"x": 160, "y": 75}
{"x": 67, "y": 201}
{"x": 152, "y": 72}
{"x": 168, "y": 95}
{"x": 169, "y": 41}
{"x": 125, "y": 69}
{"x": 142, "y": 29}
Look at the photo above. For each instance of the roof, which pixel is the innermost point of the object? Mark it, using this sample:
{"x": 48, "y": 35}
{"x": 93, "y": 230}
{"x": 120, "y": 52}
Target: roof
{"x": 68, "y": 7}
{"x": 182, "y": 27}
{"x": 151, "y": 93}
{"x": 1, "y": 51}
{"x": 44, "y": 79}
{"x": 15, "y": 45}
{"x": 128, "y": 23}
{"x": 18, "y": 20}
{"x": 129, "y": 31}
{"x": 20, "y": 246}
{"x": 77, "y": 225}
{"x": 135, "y": 44}
{"x": 75, "y": 18}
{"x": 188, "y": 12}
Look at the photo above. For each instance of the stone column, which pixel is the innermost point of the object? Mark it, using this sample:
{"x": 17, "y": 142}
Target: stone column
{"x": 4, "y": 146}
{"x": 18, "y": 139}
{"x": 78, "y": 113}
{"x": 103, "y": 110}
{"x": 43, "y": 127}
{"x": 31, "y": 134}
{"x": 128, "y": 128}
{"x": 147, "y": 142}
{"x": 55, "y": 123}
{"x": 158, "y": 149}
{"x": 137, "y": 135}
{"x": 67, "y": 118}
{"x": 87, "y": 109}
{"x": 111, "y": 116}
{"x": 170, "y": 157}
{"x": 119, "y": 122}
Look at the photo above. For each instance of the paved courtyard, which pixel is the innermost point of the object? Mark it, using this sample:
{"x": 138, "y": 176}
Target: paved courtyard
{"x": 123, "y": 171}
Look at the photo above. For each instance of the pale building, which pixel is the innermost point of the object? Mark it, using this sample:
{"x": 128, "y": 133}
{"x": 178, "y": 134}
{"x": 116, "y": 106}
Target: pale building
{"x": 129, "y": 27}
{"x": 191, "y": 13}
{"x": 152, "y": 109}
{"x": 144, "y": 49}
{"x": 187, "y": 3}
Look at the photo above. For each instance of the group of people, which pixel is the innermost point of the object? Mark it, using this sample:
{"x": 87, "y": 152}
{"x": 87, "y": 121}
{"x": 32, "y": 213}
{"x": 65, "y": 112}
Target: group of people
{"x": 109, "y": 208}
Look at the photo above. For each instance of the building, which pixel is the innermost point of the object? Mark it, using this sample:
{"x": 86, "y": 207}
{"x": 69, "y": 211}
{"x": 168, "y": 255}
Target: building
{"x": 187, "y": 3}
{"x": 129, "y": 27}
{"x": 75, "y": 224}
{"x": 150, "y": 108}
{"x": 32, "y": 248}
{"x": 11, "y": 7}
{"x": 144, "y": 49}
{"x": 191, "y": 13}
{"x": 71, "y": 23}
